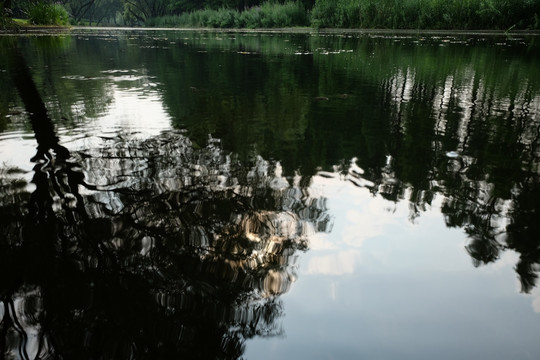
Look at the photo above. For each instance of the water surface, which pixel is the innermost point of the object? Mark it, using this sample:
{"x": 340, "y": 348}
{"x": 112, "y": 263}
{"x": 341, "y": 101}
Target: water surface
{"x": 269, "y": 195}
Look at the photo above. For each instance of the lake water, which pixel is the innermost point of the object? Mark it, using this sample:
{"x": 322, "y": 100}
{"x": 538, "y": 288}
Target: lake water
{"x": 260, "y": 195}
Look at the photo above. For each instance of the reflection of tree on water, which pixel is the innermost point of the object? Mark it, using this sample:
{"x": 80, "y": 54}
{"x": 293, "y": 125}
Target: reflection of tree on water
{"x": 497, "y": 221}
{"x": 173, "y": 251}
{"x": 183, "y": 250}
{"x": 490, "y": 183}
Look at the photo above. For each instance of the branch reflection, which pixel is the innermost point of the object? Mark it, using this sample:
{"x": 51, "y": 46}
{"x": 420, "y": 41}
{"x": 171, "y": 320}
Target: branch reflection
{"x": 159, "y": 248}
{"x": 173, "y": 250}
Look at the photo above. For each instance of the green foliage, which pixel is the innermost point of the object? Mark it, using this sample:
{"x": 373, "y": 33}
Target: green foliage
{"x": 5, "y": 22}
{"x": 85, "y": 12}
{"x": 272, "y": 15}
{"x": 391, "y": 14}
{"x": 42, "y": 13}
{"x": 366, "y": 14}
{"x": 269, "y": 15}
{"x": 138, "y": 11}
{"x": 251, "y": 18}
{"x": 427, "y": 14}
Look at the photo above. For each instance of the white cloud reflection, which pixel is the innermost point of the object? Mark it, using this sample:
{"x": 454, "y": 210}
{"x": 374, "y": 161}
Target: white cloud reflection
{"x": 359, "y": 219}
{"x": 140, "y": 115}
{"x": 536, "y": 300}
{"x": 366, "y": 222}
{"x": 340, "y": 263}
{"x": 133, "y": 111}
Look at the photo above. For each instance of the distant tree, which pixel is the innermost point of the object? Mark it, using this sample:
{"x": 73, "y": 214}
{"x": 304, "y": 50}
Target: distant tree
{"x": 138, "y": 11}
{"x": 78, "y": 8}
{"x": 93, "y": 10}
{"x": 5, "y": 13}
{"x": 21, "y": 8}
{"x": 180, "y": 6}
{"x": 107, "y": 9}
{"x": 6, "y": 6}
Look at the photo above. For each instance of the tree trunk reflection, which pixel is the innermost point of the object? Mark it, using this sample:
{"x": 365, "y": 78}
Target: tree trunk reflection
{"x": 172, "y": 251}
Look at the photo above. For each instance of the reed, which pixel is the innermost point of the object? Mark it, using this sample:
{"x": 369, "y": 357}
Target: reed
{"x": 268, "y": 15}
{"x": 427, "y": 14}
{"x": 369, "y": 14}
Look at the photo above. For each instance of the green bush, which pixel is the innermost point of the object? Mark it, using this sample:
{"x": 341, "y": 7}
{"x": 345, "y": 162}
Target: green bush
{"x": 324, "y": 14}
{"x": 222, "y": 18}
{"x": 269, "y": 15}
{"x": 48, "y": 14}
{"x": 250, "y": 19}
{"x": 5, "y": 21}
{"x": 390, "y": 14}
{"x": 427, "y": 14}
{"x": 286, "y": 15}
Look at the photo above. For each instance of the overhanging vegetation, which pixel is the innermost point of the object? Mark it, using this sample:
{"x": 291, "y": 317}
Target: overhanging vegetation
{"x": 365, "y": 14}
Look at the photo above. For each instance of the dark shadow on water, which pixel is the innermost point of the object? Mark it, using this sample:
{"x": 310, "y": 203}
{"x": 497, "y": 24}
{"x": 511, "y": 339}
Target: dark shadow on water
{"x": 167, "y": 247}
{"x": 172, "y": 252}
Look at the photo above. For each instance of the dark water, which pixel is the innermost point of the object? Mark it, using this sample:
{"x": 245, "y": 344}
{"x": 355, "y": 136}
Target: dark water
{"x": 208, "y": 195}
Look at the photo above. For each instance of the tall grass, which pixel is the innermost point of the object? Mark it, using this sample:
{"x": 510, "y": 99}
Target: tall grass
{"x": 42, "y": 13}
{"x": 268, "y": 15}
{"x": 427, "y": 14}
{"x": 390, "y": 14}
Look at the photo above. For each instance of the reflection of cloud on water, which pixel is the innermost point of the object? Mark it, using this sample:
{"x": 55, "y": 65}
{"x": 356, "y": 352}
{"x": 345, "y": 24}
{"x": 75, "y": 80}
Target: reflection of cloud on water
{"x": 536, "y": 300}
{"x": 129, "y": 112}
{"x": 340, "y": 263}
{"x": 132, "y": 111}
{"x": 359, "y": 214}
{"x": 320, "y": 242}
{"x": 373, "y": 234}
{"x": 364, "y": 223}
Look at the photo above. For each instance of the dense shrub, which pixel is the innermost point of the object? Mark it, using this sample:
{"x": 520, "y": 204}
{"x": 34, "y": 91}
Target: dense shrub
{"x": 4, "y": 20}
{"x": 283, "y": 15}
{"x": 268, "y": 15}
{"x": 250, "y": 19}
{"x": 368, "y": 14}
{"x": 427, "y": 14}
{"x": 48, "y": 14}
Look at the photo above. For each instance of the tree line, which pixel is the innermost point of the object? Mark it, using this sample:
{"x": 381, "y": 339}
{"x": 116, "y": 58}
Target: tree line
{"x": 393, "y": 14}
{"x": 128, "y": 12}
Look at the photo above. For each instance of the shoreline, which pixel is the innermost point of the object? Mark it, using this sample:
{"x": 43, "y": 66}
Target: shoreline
{"x": 25, "y": 29}
{"x": 310, "y": 30}
{"x": 21, "y": 30}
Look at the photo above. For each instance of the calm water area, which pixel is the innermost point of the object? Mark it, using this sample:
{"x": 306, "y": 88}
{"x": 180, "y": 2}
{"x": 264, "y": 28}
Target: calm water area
{"x": 267, "y": 195}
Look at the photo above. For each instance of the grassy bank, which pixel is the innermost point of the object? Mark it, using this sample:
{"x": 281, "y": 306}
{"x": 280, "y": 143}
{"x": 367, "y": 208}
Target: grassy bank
{"x": 268, "y": 15}
{"x": 369, "y": 14}
{"x": 38, "y": 14}
{"x": 427, "y": 14}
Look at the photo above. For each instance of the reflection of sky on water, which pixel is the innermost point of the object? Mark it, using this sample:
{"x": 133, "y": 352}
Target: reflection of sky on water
{"x": 536, "y": 300}
{"x": 17, "y": 147}
{"x": 378, "y": 286}
{"x": 382, "y": 287}
{"x": 140, "y": 116}
{"x": 131, "y": 111}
